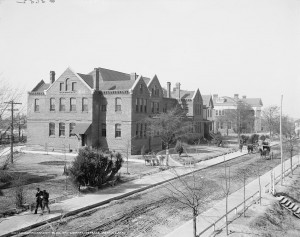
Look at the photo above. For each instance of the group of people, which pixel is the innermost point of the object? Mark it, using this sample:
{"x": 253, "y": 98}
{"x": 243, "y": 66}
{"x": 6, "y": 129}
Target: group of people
{"x": 42, "y": 200}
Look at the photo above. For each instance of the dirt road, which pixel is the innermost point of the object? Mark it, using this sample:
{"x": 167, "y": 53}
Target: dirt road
{"x": 155, "y": 212}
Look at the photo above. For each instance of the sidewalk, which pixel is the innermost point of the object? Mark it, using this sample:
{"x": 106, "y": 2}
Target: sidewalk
{"x": 27, "y": 220}
{"x": 206, "y": 219}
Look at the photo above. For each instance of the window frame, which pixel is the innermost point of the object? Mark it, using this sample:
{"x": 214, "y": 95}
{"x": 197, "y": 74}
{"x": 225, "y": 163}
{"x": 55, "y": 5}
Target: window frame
{"x": 118, "y": 104}
{"x": 36, "y": 105}
{"x": 71, "y": 127}
{"x": 103, "y": 129}
{"x": 62, "y": 129}
{"x": 52, "y": 104}
{"x": 85, "y": 106}
{"x": 118, "y": 130}
{"x": 62, "y": 104}
{"x": 73, "y": 106}
{"x": 51, "y": 129}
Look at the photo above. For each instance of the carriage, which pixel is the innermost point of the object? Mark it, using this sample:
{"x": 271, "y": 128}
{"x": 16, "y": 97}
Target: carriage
{"x": 265, "y": 150}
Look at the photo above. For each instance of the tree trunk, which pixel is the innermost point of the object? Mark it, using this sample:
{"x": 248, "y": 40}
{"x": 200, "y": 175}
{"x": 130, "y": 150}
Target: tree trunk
{"x": 244, "y": 195}
{"x": 291, "y": 158}
{"x": 226, "y": 216}
{"x": 167, "y": 155}
{"x": 194, "y": 223}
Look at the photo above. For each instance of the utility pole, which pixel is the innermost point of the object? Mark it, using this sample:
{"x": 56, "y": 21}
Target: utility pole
{"x": 12, "y": 129}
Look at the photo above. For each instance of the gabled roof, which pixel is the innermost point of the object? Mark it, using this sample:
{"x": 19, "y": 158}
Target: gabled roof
{"x": 206, "y": 99}
{"x": 41, "y": 86}
{"x": 183, "y": 94}
{"x": 87, "y": 78}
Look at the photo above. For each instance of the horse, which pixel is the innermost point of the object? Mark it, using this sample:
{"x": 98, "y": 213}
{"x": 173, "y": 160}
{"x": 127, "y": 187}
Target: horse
{"x": 250, "y": 148}
{"x": 264, "y": 152}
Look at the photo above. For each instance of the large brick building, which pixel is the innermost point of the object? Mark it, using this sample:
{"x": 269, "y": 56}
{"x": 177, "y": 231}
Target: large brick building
{"x": 104, "y": 109}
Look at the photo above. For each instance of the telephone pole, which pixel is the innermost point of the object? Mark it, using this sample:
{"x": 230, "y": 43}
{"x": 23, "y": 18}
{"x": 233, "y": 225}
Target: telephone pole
{"x": 12, "y": 129}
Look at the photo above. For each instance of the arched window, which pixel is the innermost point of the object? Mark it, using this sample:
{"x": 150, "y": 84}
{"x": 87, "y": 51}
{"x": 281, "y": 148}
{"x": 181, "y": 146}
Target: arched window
{"x": 52, "y": 104}
{"x": 118, "y": 130}
{"x": 73, "y": 104}
{"x": 36, "y": 105}
{"x": 62, "y": 104}
{"x": 84, "y": 104}
{"x": 67, "y": 84}
{"x": 61, "y": 129}
{"x": 118, "y": 104}
{"x": 51, "y": 129}
{"x": 71, "y": 127}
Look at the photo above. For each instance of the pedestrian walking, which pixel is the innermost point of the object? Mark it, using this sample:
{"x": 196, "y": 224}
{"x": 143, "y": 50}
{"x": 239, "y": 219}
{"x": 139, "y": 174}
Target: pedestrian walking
{"x": 39, "y": 198}
{"x": 45, "y": 201}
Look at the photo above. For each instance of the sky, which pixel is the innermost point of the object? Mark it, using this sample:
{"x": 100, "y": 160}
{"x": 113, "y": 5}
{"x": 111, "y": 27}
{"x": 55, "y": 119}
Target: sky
{"x": 224, "y": 47}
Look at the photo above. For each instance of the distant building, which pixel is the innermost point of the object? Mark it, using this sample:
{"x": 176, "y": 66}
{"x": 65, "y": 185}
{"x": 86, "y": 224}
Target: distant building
{"x": 102, "y": 109}
{"x": 208, "y": 106}
{"x": 221, "y": 104}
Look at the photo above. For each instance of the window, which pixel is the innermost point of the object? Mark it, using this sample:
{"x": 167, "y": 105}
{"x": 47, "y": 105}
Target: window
{"x": 152, "y": 91}
{"x": 67, "y": 84}
{"x": 200, "y": 108}
{"x": 36, "y": 105}
{"x": 145, "y": 130}
{"x": 229, "y": 125}
{"x": 152, "y": 107}
{"x": 103, "y": 108}
{"x": 84, "y": 104}
{"x": 118, "y": 104}
{"x": 52, "y": 104}
{"x": 155, "y": 90}
{"x": 136, "y": 105}
{"x": 71, "y": 127}
{"x": 61, "y": 86}
{"x": 118, "y": 130}
{"x": 223, "y": 112}
{"x": 157, "y": 107}
{"x": 73, "y": 104}
{"x": 62, "y": 104}
{"x": 103, "y": 131}
{"x": 141, "y": 88}
{"x": 137, "y": 130}
{"x": 141, "y": 131}
{"x": 51, "y": 129}
{"x": 61, "y": 129}
{"x": 141, "y": 104}
{"x": 73, "y": 86}
{"x": 221, "y": 125}
{"x": 145, "y": 105}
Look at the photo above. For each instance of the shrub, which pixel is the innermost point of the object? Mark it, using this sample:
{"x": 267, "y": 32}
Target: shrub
{"x": 262, "y": 137}
{"x": 94, "y": 168}
{"x": 19, "y": 192}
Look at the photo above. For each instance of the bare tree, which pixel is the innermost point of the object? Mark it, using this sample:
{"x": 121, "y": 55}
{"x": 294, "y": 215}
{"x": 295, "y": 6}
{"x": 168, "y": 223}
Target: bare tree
{"x": 270, "y": 118}
{"x": 190, "y": 191}
{"x": 169, "y": 126}
{"x": 291, "y": 144}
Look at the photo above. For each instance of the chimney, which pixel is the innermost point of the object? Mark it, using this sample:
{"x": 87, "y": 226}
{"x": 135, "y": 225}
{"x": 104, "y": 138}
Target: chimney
{"x": 133, "y": 76}
{"x": 236, "y": 96}
{"x": 244, "y": 97}
{"x": 178, "y": 90}
{"x": 215, "y": 96}
{"x": 168, "y": 89}
{"x": 52, "y": 77}
{"x": 96, "y": 79}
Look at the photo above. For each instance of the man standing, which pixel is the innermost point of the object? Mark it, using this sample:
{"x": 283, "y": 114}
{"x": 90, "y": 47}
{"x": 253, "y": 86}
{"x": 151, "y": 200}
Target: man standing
{"x": 39, "y": 198}
{"x": 45, "y": 201}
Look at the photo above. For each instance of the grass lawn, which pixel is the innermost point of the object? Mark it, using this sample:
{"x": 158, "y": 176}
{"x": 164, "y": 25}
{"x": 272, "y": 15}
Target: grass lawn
{"x": 46, "y": 172}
